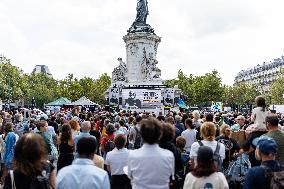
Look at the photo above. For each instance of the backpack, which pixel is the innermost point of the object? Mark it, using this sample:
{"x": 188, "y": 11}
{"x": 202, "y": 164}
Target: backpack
{"x": 216, "y": 156}
{"x": 138, "y": 139}
{"x": 109, "y": 146}
{"x": 237, "y": 170}
{"x": 276, "y": 178}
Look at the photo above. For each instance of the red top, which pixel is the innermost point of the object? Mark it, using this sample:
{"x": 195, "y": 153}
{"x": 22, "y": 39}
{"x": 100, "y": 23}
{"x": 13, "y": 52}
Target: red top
{"x": 105, "y": 139}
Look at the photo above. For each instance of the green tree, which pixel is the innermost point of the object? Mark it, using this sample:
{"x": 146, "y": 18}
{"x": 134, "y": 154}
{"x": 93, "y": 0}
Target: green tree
{"x": 277, "y": 91}
{"x": 101, "y": 85}
{"x": 70, "y": 88}
{"x": 12, "y": 82}
{"x": 42, "y": 88}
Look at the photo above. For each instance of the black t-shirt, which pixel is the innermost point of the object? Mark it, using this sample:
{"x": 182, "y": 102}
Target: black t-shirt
{"x": 24, "y": 182}
{"x": 96, "y": 134}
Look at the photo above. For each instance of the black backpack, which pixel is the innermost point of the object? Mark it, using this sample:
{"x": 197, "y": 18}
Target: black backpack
{"x": 138, "y": 139}
{"x": 276, "y": 178}
{"x": 109, "y": 146}
{"x": 216, "y": 156}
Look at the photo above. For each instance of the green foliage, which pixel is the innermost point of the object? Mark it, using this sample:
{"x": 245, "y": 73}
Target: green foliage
{"x": 277, "y": 91}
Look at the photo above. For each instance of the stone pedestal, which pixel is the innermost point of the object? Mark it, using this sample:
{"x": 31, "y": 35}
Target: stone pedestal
{"x": 141, "y": 51}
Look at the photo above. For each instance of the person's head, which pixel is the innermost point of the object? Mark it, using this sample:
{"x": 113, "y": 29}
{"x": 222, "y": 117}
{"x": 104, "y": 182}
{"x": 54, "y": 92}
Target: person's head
{"x": 170, "y": 120}
{"x": 8, "y": 127}
{"x": 178, "y": 118}
{"x": 86, "y": 126}
{"x": 209, "y": 117}
{"x": 241, "y": 120}
{"x": 272, "y": 122}
{"x": 106, "y": 122}
{"x": 18, "y": 118}
{"x": 208, "y": 131}
{"x": 180, "y": 142}
{"x": 120, "y": 141}
{"x": 121, "y": 123}
{"x": 196, "y": 115}
{"x": 205, "y": 162}
{"x": 66, "y": 133}
{"x": 110, "y": 129}
{"x": 168, "y": 132}
{"x": 74, "y": 124}
{"x": 260, "y": 102}
{"x": 189, "y": 124}
{"x": 30, "y": 155}
{"x": 225, "y": 130}
{"x": 138, "y": 119}
{"x": 42, "y": 126}
{"x": 87, "y": 147}
{"x": 266, "y": 149}
{"x": 151, "y": 130}
{"x": 130, "y": 120}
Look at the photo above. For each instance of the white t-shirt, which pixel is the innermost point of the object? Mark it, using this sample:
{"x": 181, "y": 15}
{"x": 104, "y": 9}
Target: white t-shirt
{"x": 190, "y": 137}
{"x": 212, "y": 144}
{"x": 215, "y": 180}
{"x": 117, "y": 159}
{"x": 258, "y": 116}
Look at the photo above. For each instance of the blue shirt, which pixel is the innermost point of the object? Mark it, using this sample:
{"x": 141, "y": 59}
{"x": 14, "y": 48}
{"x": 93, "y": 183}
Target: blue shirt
{"x": 255, "y": 177}
{"x": 82, "y": 174}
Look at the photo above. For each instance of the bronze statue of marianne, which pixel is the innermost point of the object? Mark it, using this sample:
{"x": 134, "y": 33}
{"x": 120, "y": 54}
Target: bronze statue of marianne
{"x": 142, "y": 11}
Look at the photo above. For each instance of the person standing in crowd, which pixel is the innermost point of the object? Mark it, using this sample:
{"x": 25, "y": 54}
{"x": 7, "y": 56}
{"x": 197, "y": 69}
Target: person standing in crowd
{"x": 240, "y": 124}
{"x": 135, "y": 138}
{"x": 42, "y": 129}
{"x": 167, "y": 142}
{"x": 122, "y": 127}
{"x": 189, "y": 134}
{"x": 10, "y": 142}
{"x": 86, "y": 128}
{"x": 208, "y": 132}
{"x": 205, "y": 174}
{"x": 258, "y": 177}
{"x": 66, "y": 147}
{"x": 150, "y": 167}
{"x": 82, "y": 173}
{"x": 196, "y": 123}
{"x": 75, "y": 126}
{"x": 54, "y": 124}
{"x": 231, "y": 145}
{"x": 274, "y": 132}
{"x": 179, "y": 123}
{"x": 30, "y": 166}
{"x": 171, "y": 121}
{"x": 116, "y": 160}
{"x": 107, "y": 144}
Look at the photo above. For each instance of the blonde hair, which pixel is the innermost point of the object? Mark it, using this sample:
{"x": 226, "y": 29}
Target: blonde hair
{"x": 208, "y": 131}
{"x": 224, "y": 128}
{"x": 196, "y": 115}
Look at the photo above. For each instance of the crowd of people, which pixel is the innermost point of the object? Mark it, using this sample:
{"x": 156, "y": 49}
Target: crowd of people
{"x": 140, "y": 150}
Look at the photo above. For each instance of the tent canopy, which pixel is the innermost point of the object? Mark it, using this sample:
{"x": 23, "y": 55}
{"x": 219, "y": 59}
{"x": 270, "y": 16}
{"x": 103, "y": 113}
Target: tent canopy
{"x": 83, "y": 101}
{"x": 59, "y": 102}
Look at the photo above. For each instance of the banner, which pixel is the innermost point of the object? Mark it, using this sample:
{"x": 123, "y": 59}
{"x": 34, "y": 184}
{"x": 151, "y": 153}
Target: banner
{"x": 114, "y": 96}
{"x": 141, "y": 98}
{"x": 169, "y": 97}
{"x": 217, "y": 106}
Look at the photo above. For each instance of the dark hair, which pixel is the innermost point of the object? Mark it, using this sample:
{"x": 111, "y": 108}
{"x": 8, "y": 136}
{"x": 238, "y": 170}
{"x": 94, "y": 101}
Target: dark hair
{"x": 209, "y": 117}
{"x": 8, "y": 127}
{"x": 66, "y": 133}
{"x": 244, "y": 146}
{"x": 130, "y": 120}
{"x": 260, "y": 102}
{"x": 272, "y": 120}
{"x": 188, "y": 122}
{"x": 121, "y": 122}
{"x": 205, "y": 163}
{"x": 53, "y": 118}
{"x": 138, "y": 118}
{"x": 119, "y": 141}
{"x": 168, "y": 132}
{"x": 87, "y": 146}
{"x": 30, "y": 155}
{"x": 40, "y": 124}
{"x": 110, "y": 129}
{"x": 170, "y": 120}
{"x": 180, "y": 142}
{"x": 151, "y": 130}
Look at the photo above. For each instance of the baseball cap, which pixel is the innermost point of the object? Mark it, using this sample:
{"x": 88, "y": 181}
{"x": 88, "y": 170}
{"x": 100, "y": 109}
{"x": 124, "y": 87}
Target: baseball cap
{"x": 266, "y": 145}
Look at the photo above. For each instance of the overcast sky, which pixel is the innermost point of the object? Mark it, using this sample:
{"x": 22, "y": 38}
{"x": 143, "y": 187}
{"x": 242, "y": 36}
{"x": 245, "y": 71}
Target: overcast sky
{"x": 84, "y": 37}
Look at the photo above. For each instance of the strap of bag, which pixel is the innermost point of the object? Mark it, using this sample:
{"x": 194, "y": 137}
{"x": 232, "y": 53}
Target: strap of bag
{"x": 12, "y": 179}
{"x": 200, "y": 143}
{"x": 217, "y": 149}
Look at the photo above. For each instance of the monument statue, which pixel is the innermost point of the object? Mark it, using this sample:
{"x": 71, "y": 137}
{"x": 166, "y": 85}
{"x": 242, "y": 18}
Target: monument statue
{"x": 142, "y": 11}
{"x": 140, "y": 25}
{"x": 119, "y": 73}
